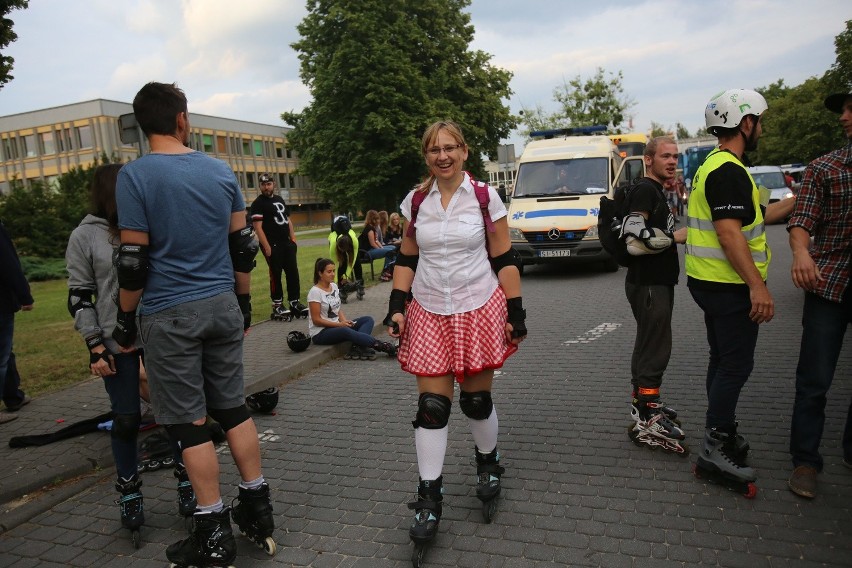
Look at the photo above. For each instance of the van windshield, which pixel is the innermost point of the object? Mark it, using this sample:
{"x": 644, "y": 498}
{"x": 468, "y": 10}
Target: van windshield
{"x": 770, "y": 180}
{"x": 579, "y": 176}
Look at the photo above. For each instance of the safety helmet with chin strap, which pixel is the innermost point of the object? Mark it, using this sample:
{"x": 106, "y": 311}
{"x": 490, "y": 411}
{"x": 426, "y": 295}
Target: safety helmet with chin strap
{"x": 728, "y": 108}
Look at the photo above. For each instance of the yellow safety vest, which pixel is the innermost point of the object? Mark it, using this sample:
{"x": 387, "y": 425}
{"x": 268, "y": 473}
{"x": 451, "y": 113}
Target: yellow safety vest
{"x": 705, "y": 259}
{"x": 347, "y": 271}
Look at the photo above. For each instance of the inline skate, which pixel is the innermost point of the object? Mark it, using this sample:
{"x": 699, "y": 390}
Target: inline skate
{"x": 131, "y": 506}
{"x": 155, "y": 452}
{"x": 652, "y": 428}
{"x": 427, "y": 517}
{"x": 358, "y": 353}
{"x": 280, "y": 313}
{"x": 386, "y": 347}
{"x": 252, "y": 512}
{"x": 488, "y": 472}
{"x": 670, "y": 412}
{"x": 717, "y": 464}
{"x": 298, "y": 309}
{"x": 211, "y": 543}
{"x": 186, "y": 496}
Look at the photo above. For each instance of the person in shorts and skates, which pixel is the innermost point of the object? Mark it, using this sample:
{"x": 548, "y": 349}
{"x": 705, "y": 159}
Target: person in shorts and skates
{"x": 648, "y": 230}
{"x": 727, "y": 259}
{"x": 92, "y": 302}
{"x": 458, "y": 333}
{"x": 329, "y": 326}
{"x": 277, "y": 238}
{"x": 182, "y": 212}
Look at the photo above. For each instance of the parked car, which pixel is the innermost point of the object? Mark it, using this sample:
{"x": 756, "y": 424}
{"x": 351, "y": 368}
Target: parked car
{"x": 772, "y": 178}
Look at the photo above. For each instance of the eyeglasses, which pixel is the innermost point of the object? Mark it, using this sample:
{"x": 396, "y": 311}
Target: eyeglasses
{"x": 448, "y": 149}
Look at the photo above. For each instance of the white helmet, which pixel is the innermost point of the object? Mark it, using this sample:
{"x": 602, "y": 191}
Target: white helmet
{"x": 727, "y": 109}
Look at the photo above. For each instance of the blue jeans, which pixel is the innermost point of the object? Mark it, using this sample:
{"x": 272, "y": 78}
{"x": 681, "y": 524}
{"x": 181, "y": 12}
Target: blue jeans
{"x": 823, "y": 325}
{"x": 383, "y": 252}
{"x": 359, "y": 335}
{"x": 732, "y": 337}
{"x": 123, "y": 391}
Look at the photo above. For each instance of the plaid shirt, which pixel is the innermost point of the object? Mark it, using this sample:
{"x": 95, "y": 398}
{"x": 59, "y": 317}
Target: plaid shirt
{"x": 824, "y": 209}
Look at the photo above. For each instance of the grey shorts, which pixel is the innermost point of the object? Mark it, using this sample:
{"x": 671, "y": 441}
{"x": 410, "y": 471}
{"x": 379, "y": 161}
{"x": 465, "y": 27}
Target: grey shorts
{"x": 194, "y": 358}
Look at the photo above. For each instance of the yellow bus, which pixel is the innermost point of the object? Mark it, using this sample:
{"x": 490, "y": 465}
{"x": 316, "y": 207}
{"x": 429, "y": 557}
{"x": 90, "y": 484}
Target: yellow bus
{"x": 630, "y": 144}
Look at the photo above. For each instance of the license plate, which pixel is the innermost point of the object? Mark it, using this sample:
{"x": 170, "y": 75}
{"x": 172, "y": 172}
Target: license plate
{"x": 550, "y": 253}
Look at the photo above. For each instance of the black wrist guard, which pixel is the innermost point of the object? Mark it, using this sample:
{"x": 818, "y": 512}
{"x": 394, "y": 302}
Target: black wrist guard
{"x": 95, "y": 357}
{"x": 244, "y": 300}
{"x": 516, "y": 316}
{"x": 94, "y": 341}
{"x": 125, "y": 328}
{"x": 396, "y": 305}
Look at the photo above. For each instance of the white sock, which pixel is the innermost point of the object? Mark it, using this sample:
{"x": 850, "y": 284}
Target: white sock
{"x": 253, "y": 484}
{"x": 485, "y": 432}
{"x": 431, "y": 448}
{"x": 214, "y": 508}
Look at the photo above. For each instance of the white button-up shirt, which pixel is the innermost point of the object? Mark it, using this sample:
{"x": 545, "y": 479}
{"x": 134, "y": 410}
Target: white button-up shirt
{"x": 453, "y": 274}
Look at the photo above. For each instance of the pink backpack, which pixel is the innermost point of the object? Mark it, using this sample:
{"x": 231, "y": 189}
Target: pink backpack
{"x": 479, "y": 188}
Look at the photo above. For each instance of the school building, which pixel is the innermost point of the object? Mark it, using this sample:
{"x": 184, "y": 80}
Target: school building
{"x": 43, "y": 144}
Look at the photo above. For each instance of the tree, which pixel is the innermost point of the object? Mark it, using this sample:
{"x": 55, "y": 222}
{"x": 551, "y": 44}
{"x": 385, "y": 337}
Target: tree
{"x": 658, "y": 129}
{"x": 379, "y": 73}
{"x": 839, "y": 77}
{"x": 681, "y": 131}
{"x": 7, "y": 36}
{"x": 596, "y": 100}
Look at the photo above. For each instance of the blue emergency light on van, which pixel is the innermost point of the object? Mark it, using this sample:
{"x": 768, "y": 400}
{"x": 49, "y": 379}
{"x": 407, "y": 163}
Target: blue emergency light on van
{"x": 573, "y": 131}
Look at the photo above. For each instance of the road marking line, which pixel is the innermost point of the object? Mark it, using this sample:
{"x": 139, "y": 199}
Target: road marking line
{"x": 593, "y": 334}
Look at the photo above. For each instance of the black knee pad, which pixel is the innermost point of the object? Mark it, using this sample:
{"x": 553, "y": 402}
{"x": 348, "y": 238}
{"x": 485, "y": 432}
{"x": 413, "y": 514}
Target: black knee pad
{"x": 433, "y": 411}
{"x": 125, "y": 427}
{"x": 189, "y": 435}
{"x": 229, "y": 417}
{"x": 476, "y": 405}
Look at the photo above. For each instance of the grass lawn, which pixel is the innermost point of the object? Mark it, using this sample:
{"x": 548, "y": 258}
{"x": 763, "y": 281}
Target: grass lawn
{"x": 51, "y": 354}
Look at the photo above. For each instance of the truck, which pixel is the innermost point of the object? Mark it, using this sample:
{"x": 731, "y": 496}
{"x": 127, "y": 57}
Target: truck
{"x": 553, "y": 210}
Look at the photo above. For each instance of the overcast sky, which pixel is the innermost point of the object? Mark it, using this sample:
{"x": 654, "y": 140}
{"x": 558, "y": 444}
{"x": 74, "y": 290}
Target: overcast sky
{"x": 234, "y": 59}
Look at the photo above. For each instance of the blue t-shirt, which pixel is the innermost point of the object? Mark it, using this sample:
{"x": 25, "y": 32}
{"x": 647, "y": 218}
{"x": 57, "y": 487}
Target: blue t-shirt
{"x": 184, "y": 202}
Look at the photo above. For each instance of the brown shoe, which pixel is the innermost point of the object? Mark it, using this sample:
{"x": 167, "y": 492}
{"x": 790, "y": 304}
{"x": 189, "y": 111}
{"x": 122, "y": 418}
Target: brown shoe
{"x": 803, "y": 481}
{"x": 7, "y": 417}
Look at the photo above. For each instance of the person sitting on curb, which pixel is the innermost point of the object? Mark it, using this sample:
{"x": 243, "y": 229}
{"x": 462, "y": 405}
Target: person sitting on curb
{"x": 328, "y": 325}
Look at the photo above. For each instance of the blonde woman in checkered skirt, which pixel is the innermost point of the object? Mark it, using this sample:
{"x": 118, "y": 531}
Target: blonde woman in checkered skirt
{"x": 464, "y": 317}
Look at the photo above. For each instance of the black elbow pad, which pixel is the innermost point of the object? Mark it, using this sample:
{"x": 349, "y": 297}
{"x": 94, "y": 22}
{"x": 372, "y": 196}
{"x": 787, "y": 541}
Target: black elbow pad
{"x": 243, "y": 247}
{"x": 132, "y": 266}
{"x": 409, "y": 260}
{"x": 508, "y": 258}
{"x": 79, "y": 299}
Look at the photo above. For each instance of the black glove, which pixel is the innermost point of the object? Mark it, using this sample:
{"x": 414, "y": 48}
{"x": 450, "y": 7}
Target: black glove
{"x": 396, "y": 305}
{"x": 516, "y": 316}
{"x": 244, "y": 300}
{"x": 125, "y": 328}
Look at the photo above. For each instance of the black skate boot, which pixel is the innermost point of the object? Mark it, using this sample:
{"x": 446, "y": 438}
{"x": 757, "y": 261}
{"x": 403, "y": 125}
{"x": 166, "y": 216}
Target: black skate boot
{"x": 360, "y": 290}
{"x": 358, "y": 353}
{"x": 739, "y": 447}
{"x": 385, "y": 347}
{"x": 186, "y": 495}
{"x": 211, "y": 543}
{"x": 131, "y": 506}
{"x": 427, "y": 516}
{"x": 716, "y": 463}
{"x": 280, "y": 313}
{"x": 488, "y": 472}
{"x": 670, "y": 412}
{"x": 252, "y": 512}
{"x": 652, "y": 428}
{"x": 298, "y": 309}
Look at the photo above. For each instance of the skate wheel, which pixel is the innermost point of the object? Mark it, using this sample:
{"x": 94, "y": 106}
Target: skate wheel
{"x": 489, "y": 509}
{"x": 417, "y": 556}
{"x": 751, "y": 491}
{"x": 135, "y": 538}
{"x": 268, "y": 545}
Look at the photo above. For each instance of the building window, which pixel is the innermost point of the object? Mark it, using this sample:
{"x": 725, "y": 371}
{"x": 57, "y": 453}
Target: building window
{"x": 281, "y": 180}
{"x": 28, "y": 145}
{"x": 221, "y": 145}
{"x": 258, "y": 148}
{"x": 246, "y": 147}
{"x": 10, "y": 148}
{"x": 84, "y": 137}
{"x": 292, "y": 181}
{"x": 45, "y": 143}
{"x": 279, "y": 150}
{"x": 250, "y": 179}
{"x": 63, "y": 139}
{"x": 235, "y": 147}
{"x": 208, "y": 143}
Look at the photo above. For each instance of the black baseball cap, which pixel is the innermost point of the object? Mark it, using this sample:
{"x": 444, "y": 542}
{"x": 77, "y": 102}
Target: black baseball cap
{"x": 834, "y": 102}
{"x": 265, "y": 178}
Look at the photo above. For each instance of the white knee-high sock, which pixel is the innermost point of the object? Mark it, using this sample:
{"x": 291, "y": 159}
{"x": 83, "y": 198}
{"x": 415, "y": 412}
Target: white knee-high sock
{"x": 431, "y": 449}
{"x": 485, "y": 432}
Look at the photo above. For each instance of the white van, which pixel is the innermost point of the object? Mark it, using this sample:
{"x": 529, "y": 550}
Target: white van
{"x": 553, "y": 212}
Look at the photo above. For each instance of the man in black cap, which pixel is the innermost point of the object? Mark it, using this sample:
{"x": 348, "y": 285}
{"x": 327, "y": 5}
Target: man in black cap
{"x": 822, "y": 211}
{"x": 277, "y": 238}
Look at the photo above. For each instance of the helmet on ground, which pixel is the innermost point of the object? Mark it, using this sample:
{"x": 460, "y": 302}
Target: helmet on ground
{"x": 263, "y": 401}
{"x": 727, "y": 109}
{"x": 341, "y": 225}
{"x": 298, "y": 341}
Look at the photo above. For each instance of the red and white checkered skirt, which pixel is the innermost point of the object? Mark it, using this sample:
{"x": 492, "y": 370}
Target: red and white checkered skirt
{"x": 465, "y": 344}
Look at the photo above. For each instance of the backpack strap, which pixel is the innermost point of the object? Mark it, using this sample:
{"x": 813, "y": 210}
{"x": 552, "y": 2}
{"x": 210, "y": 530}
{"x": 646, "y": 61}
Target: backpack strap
{"x": 416, "y": 199}
{"x": 480, "y": 189}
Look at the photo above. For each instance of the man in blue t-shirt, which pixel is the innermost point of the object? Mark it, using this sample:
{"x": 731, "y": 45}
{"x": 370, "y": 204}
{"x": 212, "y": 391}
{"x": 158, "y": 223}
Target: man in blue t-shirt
{"x": 184, "y": 261}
